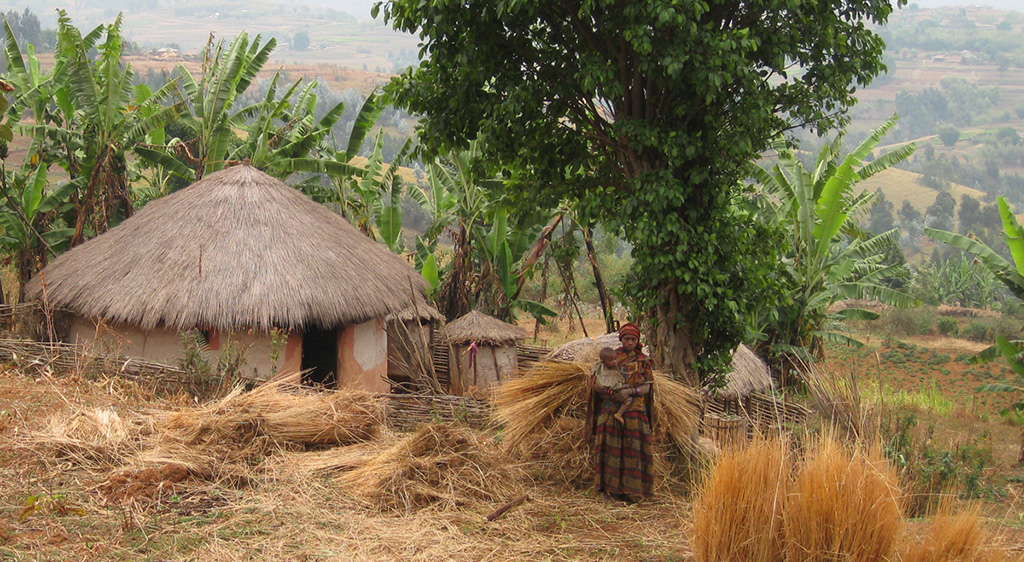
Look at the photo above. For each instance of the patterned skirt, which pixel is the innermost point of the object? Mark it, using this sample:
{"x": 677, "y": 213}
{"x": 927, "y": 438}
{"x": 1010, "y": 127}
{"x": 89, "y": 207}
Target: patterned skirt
{"x": 624, "y": 461}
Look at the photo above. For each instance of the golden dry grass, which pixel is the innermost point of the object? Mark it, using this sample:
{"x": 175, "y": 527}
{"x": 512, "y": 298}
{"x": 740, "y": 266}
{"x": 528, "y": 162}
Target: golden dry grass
{"x": 440, "y": 465}
{"x": 953, "y": 537}
{"x": 843, "y": 505}
{"x": 737, "y": 511}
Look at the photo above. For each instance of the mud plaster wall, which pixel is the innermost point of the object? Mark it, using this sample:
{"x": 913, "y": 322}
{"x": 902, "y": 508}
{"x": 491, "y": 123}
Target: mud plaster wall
{"x": 363, "y": 356}
{"x": 165, "y": 346}
{"x": 493, "y": 365}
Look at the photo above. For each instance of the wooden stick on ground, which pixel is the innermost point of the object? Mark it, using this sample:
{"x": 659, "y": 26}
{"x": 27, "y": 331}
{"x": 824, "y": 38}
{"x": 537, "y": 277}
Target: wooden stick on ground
{"x": 501, "y": 510}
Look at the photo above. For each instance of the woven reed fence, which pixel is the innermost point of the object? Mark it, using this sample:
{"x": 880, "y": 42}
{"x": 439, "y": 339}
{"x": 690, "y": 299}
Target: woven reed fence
{"x": 406, "y": 411}
{"x": 763, "y": 413}
{"x": 49, "y": 358}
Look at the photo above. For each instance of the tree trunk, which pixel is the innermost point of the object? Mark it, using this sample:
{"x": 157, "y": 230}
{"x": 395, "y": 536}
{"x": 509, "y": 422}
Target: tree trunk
{"x": 602, "y": 291}
{"x": 671, "y": 345}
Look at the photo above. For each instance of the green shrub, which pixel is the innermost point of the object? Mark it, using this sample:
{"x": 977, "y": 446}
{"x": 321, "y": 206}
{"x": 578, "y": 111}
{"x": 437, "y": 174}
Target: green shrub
{"x": 977, "y": 331}
{"x": 947, "y": 326}
{"x": 918, "y": 321}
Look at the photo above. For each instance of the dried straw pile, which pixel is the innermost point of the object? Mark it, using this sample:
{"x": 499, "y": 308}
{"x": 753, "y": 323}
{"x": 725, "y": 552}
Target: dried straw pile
{"x": 440, "y": 465}
{"x": 742, "y": 497}
{"x": 227, "y": 437}
{"x": 95, "y": 438}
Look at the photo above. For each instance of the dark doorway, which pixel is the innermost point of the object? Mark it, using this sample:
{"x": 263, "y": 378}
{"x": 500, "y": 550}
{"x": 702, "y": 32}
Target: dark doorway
{"x": 320, "y": 357}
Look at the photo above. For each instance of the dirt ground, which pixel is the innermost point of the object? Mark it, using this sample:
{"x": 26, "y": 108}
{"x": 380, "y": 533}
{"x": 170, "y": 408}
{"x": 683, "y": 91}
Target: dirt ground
{"x": 52, "y": 508}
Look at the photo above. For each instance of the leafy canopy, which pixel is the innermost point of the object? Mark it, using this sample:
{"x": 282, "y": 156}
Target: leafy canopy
{"x": 645, "y": 113}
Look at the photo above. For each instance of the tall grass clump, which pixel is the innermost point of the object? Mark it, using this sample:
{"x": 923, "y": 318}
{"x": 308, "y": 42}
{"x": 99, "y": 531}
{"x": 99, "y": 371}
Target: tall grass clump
{"x": 738, "y": 511}
{"x": 953, "y": 537}
{"x": 843, "y": 505}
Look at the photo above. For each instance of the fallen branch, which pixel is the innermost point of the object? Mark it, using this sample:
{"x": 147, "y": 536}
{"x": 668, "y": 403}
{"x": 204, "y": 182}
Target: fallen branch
{"x": 501, "y": 510}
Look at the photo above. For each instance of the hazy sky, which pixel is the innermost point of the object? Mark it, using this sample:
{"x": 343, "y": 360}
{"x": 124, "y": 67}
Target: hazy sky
{"x": 1016, "y": 5}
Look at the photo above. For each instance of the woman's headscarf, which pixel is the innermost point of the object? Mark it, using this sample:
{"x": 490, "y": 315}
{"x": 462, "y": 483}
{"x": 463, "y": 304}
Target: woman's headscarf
{"x": 629, "y": 329}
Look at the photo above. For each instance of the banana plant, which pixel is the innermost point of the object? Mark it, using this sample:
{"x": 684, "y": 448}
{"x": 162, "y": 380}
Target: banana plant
{"x": 1011, "y": 275}
{"x": 31, "y": 221}
{"x": 87, "y": 117}
{"x": 829, "y": 258}
{"x": 212, "y": 112}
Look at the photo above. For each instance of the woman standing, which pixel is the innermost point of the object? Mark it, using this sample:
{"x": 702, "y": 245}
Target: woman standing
{"x": 623, "y": 458}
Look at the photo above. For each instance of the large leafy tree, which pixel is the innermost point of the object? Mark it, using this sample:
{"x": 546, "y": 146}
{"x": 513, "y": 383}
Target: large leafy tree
{"x": 646, "y": 114}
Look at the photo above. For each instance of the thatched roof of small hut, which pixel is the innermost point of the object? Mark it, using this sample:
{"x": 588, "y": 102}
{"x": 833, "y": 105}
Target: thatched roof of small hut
{"x": 483, "y": 329}
{"x": 419, "y": 311}
{"x": 748, "y": 374}
{"x": 235, "y": 250}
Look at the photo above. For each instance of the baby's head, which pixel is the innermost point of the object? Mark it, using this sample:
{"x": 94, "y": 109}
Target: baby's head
{"x": 608, "y": 356}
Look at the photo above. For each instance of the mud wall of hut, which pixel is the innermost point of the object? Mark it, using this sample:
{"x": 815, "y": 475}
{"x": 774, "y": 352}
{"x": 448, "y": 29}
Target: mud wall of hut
{"x": 363, "y": 356}
{"x": 492, "y": 365}
{"x": 165, "y": 346}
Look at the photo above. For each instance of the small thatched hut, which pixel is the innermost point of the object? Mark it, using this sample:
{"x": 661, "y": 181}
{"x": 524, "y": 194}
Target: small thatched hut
{"x": 474, "y": 370}
{"x": 410, "y": 340}
{"x": 238, "y": 255}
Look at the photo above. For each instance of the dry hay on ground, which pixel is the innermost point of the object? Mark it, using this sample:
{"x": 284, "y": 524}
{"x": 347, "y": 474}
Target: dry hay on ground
{"x": 440, "y": 465}
{"x": 227, "y": 439}
{"x": 94, "y": 438}
{"x": 224, "y": 441}
{"x": 149, "y": 483}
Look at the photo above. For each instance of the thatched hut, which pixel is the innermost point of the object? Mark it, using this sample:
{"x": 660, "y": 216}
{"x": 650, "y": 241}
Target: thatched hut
{"x": 410, "y": 340}
{"x": 474, "y": 369}
{"x": 240, "y": 256}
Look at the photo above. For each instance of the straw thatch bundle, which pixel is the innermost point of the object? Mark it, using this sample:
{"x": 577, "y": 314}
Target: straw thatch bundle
{"x": 98, "y": 438}
{"x": 953, "y": 537}
{"x": 282, "y": 411}
{"x": 558, "y": 453}
{"x": 237, "y": 249}
{"x": 747, "y": 375}
{"x": 548, "y": 390}
{"x": 481, "y": 328}
{"x": 552, "y": 389}
{"x": 441, "y": 465}
{"x": 225, "y": 439}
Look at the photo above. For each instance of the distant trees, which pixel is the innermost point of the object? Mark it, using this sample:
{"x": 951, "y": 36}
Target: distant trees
{"x": 949, "y": 135}
{"x": 881, "y": 218}
{"x": 940, "y": 214}
{"x": 300, "y": 41}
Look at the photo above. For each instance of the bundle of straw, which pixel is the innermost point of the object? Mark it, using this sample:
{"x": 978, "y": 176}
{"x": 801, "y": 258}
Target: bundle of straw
{"x": 281, "y": 411}
{"x": 98, "y": 438}
{"x": 737, "y": 514}
{"x": 559, "y": 453}
{"x": 439, "y": 465}
{"x": 526, "y": 404}
{"x": 552, "y": 389}
{"x": 225, "y": 440}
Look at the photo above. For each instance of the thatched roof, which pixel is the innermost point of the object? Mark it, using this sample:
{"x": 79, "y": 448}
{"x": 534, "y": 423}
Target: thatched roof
{"x": 748, "y": 374}
{"x": 420, "y": 311}
{"x": 236, "y": 250}
{"x": 481, "y": 328}
{"x": 585, "y": 350}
